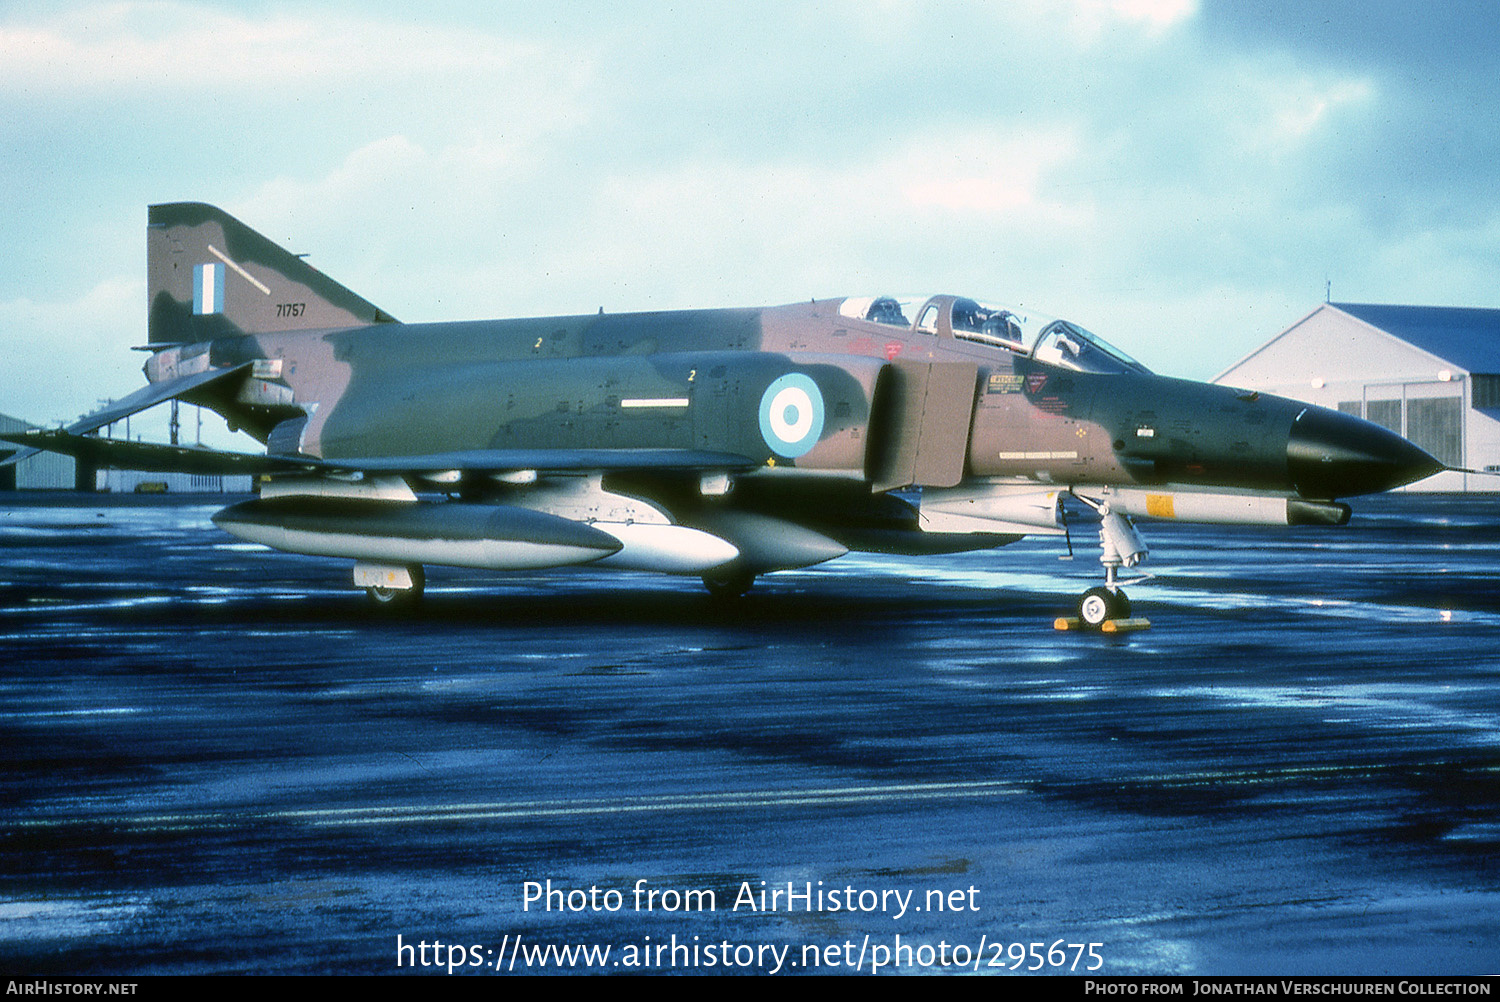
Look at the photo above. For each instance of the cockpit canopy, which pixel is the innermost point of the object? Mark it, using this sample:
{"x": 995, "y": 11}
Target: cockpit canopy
{"x": 1065, "y": 344}
{"x": 1056, "y": 342}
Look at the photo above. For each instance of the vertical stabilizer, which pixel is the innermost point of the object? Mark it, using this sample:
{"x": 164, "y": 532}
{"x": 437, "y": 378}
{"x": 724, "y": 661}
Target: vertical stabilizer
{"x": 209, "y": 275}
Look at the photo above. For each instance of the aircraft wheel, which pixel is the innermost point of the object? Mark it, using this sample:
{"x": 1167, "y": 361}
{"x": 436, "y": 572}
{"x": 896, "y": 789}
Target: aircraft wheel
{"x": 400, "y": 598}
{"x": 727, "y": 585}
{"x": 1100, "y": 604}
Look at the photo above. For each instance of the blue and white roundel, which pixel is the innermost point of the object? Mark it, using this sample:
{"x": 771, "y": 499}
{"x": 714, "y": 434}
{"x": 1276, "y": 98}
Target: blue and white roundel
{"x": 791, "y": 415}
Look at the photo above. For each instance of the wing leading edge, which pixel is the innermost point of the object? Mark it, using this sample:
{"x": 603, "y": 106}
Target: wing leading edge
{"x": 160, "y": 458}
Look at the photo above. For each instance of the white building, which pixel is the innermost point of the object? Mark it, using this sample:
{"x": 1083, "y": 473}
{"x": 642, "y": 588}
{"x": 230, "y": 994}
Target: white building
{"x": 134, "y": 481}
{"x": 51, "y": 471}
{"x": 1431, "y": 373}
{"x": 45, "y": 471}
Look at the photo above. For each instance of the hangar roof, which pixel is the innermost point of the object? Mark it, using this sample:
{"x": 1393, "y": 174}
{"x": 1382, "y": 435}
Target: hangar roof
{"x": 1468, "y": 337}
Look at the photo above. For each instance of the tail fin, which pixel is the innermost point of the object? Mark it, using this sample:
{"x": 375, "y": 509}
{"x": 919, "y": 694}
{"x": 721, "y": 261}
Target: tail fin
{"x": 210, "y": 275}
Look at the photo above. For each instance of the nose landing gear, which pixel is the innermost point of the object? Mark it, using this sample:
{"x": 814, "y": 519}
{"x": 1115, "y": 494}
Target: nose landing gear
{"x": 1122, "y": 547}
{"x": 1099, "y": 605}
{"x": 391, "y": 586}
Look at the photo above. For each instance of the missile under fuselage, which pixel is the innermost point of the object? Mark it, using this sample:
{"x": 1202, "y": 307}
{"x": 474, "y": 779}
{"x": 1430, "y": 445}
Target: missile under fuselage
{"x": 1226, "y": 509}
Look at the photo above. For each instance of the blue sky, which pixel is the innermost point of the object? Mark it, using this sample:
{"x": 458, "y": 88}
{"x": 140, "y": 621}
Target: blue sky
{"x": 1181, "y": 176}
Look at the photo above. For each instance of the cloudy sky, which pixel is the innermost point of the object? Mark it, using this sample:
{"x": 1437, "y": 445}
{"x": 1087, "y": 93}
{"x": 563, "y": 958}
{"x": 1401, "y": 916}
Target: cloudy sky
{"x": 1181, "y": 176}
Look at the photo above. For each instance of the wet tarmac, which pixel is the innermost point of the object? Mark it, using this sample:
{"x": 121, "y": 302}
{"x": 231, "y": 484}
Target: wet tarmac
{"x": 218, "y": 759}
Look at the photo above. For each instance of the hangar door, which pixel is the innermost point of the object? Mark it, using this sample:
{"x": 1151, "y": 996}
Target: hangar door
{"x": 1431, "y": 414}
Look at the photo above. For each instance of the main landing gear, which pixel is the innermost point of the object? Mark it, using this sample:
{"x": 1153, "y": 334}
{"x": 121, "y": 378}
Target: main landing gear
{"x": 1123, "y": 547}
{"x": 729, "y": 584}
{"x": 397, "y": 586}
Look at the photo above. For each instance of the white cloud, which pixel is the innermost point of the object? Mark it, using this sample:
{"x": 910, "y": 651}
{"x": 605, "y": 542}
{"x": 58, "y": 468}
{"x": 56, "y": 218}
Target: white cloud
{"x": 1156, "y": 14}
{"x": 1087, "y": 18}
{"x": 229, "y": 93}
{"x": 992, "y": 173}
{"x": 417, "y": 230}
{"x": 1096, "y": 157}
{"x": 1288, "y": 110}
{"x": 64, "y": 356}
{"x": 783, "y": 229}
{"x": 163, "y": 45}
{"x": 1092, "y": 21}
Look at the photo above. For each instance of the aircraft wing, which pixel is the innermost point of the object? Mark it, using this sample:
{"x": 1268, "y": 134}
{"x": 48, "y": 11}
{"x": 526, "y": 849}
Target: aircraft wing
{"x": 548, "y": 461}
{"x": 149, "y": 457}
{"x": 160, "y": 458}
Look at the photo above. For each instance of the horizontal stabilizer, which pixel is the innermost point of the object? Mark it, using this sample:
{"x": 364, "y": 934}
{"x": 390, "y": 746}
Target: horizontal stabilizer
{"x": 150, "y": 396}
{"x": 146, "y": 396}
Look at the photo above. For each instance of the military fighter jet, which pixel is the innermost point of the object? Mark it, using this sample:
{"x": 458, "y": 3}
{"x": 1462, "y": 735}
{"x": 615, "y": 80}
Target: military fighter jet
{"x": 723, "y": 443}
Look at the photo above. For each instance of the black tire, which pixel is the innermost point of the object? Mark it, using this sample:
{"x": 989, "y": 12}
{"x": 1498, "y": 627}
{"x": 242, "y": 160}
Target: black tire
{"x": 1100, "y": 604}
{"x": 400, "y": 598}
{"x": 728, "y": 584}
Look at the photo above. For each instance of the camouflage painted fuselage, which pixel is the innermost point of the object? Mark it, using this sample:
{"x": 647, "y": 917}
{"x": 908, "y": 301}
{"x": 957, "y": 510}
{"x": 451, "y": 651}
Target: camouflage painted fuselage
{"x": 899, "y": 408}
{"x": 747, "y": 439}
{"x": 721, "y": 443}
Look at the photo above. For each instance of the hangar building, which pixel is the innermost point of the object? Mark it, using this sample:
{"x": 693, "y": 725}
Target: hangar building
{"x": 1431, "y": 373}
{"x": 46, "y": 471}
{"x": 51, "y": 471}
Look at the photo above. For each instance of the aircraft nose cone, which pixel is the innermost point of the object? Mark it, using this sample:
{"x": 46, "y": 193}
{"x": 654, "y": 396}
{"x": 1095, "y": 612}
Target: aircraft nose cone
{"x": 1331, "y": 454}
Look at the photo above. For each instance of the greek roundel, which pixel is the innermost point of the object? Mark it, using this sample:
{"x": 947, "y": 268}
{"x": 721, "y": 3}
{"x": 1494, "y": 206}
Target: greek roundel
{"x": 791, "y": 415}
